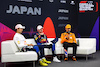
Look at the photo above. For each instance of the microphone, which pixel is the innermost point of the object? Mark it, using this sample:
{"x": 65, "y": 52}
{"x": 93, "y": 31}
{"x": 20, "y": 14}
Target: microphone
{"x": 68, "y": 32}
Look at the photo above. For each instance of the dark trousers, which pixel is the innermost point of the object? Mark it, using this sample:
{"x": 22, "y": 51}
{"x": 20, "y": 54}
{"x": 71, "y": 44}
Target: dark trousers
{"x": 41, "y": 48}
{"x": 74, "y": 45}
{"x": 50, "y": 46}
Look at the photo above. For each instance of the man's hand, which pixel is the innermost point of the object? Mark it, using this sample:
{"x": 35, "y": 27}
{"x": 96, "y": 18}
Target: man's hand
{"x": 68, "y": 37}
{"x": 73, "y": 41}
{"x": 30, "y": 45}
{"x": 43, "y": 40}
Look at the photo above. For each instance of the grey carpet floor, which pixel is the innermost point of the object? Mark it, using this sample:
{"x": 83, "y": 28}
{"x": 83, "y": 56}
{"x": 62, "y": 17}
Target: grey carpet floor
{"x": 81, "y": 62}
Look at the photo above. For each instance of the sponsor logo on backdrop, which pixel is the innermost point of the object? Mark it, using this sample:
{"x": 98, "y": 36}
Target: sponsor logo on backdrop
{"x": 63, "y": 11}
{"x": 48, "y": 0}
{"x": 63, "y": 1}
{"x": 23, "y": 10}
{"x": 88, "y": 6}
{"x": 51, "y": 0}
{"x": 62, "y": 25}
{"x": 72, "y": 2}
{"x": 40, "y": 0}
{"x": 26, "y": 0}
{"x": 62, "y": 18}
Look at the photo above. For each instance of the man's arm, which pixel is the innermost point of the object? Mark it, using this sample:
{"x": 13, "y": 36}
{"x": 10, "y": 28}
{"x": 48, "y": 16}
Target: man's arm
{"x": 19, "y": 42}
{"x": 62, "y": 38}
{"x": 37, "y": 38}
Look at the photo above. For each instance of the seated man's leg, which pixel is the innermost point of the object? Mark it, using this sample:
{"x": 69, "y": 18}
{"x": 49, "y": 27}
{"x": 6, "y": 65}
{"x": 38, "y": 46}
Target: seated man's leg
{"x": 47, "y": 46}
{"x": 74, "y": 51}
{"x": 53, "y": 50}
{"x": 41, "y": 55}
{"x": 65, "y": 45}
{"x": 41, "y": 47}
{"x": 50, "y": 46}
{"x": 36, "y": 48}
{"x": 74, "y": 45}
{"x": 55, "y": 59}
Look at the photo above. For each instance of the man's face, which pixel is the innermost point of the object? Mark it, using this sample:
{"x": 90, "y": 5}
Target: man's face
{"x": 68, "y": 29}
{"x": 19, "y": 30}
{"x": 40, "y": 31}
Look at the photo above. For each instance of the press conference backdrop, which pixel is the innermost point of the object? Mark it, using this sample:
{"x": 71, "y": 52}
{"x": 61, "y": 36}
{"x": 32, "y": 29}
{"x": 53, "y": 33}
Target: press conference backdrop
{"x": 52, "y": 14}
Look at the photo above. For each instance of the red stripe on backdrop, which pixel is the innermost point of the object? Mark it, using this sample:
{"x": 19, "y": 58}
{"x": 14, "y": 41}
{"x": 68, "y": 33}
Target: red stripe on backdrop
{"x": 81, "y": 11}
{"x": 49, "y": 29}
{"x": 96, "y": 6}
{"x": 83, "y": 1}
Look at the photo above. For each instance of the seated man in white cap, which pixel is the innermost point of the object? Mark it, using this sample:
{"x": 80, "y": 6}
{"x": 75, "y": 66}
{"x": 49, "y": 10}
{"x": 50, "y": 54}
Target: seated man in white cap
{"x": 42, "y": 41}
{"x": 23, "y": 45}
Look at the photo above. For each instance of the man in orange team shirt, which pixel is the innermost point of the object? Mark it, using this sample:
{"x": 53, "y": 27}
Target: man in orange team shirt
{"x": 68, "y": 39}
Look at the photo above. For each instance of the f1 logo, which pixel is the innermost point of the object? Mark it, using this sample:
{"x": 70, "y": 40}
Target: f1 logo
{"x": 88, "y": 6}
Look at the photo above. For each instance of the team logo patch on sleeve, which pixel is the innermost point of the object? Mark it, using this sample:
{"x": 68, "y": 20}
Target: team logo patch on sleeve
{"x": 18, "y": 42}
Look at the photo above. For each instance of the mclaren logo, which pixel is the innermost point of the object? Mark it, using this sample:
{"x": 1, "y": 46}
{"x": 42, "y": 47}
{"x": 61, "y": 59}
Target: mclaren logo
{"x": 23, "y": 10}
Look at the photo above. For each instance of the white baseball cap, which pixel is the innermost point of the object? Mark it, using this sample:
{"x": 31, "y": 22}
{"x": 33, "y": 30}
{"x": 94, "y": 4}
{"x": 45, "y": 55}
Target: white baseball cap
{"x": 39, "y": 27}
{"x": 19, "y": 26}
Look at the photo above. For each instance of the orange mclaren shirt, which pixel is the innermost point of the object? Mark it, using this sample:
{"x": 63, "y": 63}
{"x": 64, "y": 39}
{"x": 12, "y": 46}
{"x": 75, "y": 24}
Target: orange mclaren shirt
{"x": 70, "y": 38}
